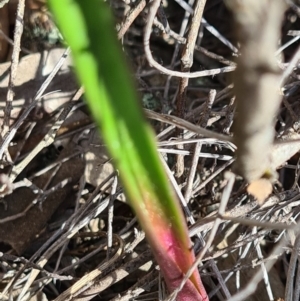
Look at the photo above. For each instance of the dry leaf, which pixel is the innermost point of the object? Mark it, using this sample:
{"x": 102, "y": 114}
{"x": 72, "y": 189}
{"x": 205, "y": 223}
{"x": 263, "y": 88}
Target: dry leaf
{"x": 33, "y": 69}
{"x": 21, "y": 232}
{"x": 260, "y": 189}
{"x": 98, "y": 164}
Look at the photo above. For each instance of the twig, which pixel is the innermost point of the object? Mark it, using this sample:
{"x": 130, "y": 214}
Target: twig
{"x": 293, "y": 62}
{"x": 181, "y": 123}
{"x": 130, "y": 17}
{"x": 142, "y": 285}
{"x": 87, "y": 280}
{"x": 163, "y": 18}
{"x": 198, "y": 146}
{"x": 212, "y": 176}
{"x": 186, "y": 64}
{"x": 11, "y": 42}
{"x": 14, "y": 66}
{"x": 289, "y": 291}
{"x": 243, "y": 294}
{"x": 188, "y": 9}
{"x": 114, "y": 277}
{"x": 208, "y": 141}
{"x": 229, "y": 116}
{"x": 33, "y": 203}
{"x": 196, "y": 153}
{"x": 182, "y": 40}
{"x": 138, "y": 237}
{"x": 48, "y": 139}
{"x": 7, "y": 138}
{"x": 176, "y": 50}
{"x": 265, "y": 273}
{"x": 111, "y": 216}
{"x": 289, "y": 43}
{"x": 186, "y": 6}
{"x": 22, "y": 143}
{"x": 282, "y": 152}
{"x": 77, "y": 221}
{"x": 152, "y": 62}
{"x": 217, "y": 34}
{"x": 297, "y": 287}
{"x": 256, "y": 84}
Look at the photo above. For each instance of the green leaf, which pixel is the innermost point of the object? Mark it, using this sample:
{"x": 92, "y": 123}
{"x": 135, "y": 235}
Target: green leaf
{"x": 88, "y": 28}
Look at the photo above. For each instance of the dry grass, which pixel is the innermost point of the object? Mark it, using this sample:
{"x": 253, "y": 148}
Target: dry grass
{"x": 65, "y": 228}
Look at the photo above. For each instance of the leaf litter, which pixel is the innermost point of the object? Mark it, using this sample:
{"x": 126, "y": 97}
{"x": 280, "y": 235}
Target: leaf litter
{"x": 55, "y": 212}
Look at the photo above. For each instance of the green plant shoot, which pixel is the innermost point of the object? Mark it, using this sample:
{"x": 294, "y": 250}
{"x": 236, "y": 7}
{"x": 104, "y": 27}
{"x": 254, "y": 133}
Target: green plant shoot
{"x": 88, "y": 28}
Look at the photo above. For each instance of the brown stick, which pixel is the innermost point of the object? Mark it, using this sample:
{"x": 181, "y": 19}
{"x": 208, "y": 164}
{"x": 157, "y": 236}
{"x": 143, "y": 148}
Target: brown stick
{"x": 256, "y": 84}
{"x": 186, "y": 64}
{"x": 14, "y": 65}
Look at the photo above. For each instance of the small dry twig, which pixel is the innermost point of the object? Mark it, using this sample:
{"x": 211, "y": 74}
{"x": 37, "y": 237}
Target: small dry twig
{"x": 14, "y": 65}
